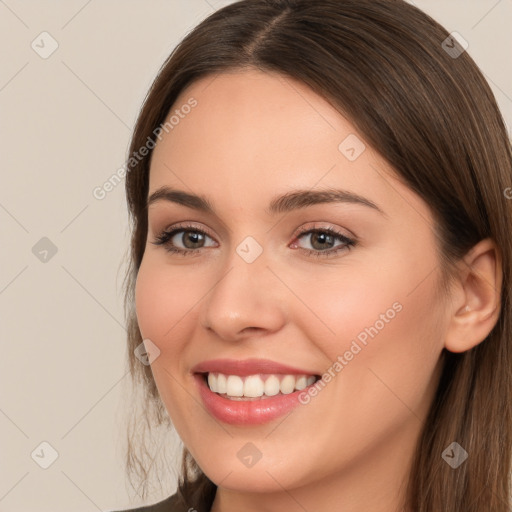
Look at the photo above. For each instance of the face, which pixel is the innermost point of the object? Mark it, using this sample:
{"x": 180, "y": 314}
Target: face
{"x": 271, "y": 295}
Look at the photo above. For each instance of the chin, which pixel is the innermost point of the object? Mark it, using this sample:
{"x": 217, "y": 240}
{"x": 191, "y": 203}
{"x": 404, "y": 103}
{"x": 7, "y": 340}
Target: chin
{"x": 263, "y": 477}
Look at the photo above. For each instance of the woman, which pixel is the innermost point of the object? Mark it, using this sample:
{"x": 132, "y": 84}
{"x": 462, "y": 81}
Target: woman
{"x": 321, "y": 263}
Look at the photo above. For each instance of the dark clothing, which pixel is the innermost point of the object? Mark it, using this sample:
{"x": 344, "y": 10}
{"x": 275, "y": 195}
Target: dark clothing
{"x": 171, "y": 504}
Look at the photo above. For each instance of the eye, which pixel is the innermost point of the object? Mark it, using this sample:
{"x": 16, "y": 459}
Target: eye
{"x": 322, "y": 240}
{"x": 193, "y": 240}
{"x": 191, "y": 237}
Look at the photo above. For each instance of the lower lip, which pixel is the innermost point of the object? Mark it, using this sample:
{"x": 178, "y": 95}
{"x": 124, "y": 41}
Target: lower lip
{"x": 250, "y": 412}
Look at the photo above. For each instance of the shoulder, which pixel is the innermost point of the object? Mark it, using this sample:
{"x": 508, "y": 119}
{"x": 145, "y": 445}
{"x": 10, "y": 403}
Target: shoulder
{"x": 171, "y": 504}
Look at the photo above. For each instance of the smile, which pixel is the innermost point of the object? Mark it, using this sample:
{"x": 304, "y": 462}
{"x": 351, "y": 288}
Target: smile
{"x": 251, "y": 391}
{"x": 235, "y": 387}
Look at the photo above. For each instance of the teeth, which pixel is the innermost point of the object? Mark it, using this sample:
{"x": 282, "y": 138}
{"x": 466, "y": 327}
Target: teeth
{"x": 301, "y": 383}
{"x": 221, "y": 383}
{"x": 288, "y": 384}
{"x": 235, "y": 386}
{"x": 253, "y": 386}
{"x": 256, "y": 386}
{"x": 272, "y": 386}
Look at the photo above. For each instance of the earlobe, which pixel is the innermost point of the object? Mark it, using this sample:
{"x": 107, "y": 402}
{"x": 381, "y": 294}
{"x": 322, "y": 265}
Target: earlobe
{"x": 476, "y": 310}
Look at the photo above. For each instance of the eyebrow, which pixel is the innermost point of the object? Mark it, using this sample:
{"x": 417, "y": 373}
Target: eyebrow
{"x": 294, "y": 200}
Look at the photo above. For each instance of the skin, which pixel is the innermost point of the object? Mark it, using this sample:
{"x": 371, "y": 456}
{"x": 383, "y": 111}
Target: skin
{"x": 254, "y": 135}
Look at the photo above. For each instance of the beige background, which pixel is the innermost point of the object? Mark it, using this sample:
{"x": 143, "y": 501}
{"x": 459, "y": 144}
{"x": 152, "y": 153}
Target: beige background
{"x": 65, "y": 125}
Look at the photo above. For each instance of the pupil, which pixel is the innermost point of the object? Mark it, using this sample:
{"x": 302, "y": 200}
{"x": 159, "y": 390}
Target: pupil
{"x": 195, "y": 238}
{"x": 323, "y": 238}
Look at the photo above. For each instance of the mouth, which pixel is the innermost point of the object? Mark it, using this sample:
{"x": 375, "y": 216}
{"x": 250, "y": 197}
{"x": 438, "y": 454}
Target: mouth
{"x": 259, "y": 386}
{"x": 251, "y": 391}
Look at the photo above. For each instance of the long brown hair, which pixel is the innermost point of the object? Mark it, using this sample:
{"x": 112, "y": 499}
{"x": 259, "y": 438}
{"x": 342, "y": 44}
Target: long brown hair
{"x": 387, "y": 67}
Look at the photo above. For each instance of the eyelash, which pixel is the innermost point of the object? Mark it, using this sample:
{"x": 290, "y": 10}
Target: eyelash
{"x": 165, "y": 237}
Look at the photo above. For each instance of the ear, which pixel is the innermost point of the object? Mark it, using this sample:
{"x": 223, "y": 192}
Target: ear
{"x": 476, "y": 301}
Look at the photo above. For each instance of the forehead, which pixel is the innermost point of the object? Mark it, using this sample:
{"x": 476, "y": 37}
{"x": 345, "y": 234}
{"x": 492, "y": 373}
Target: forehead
{"x": 252, "y": 134}
{"x": 253, "y": 117}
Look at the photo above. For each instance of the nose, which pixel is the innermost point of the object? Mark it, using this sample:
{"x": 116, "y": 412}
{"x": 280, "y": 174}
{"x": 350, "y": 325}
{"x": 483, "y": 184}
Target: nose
{"x": 247, "y": 300}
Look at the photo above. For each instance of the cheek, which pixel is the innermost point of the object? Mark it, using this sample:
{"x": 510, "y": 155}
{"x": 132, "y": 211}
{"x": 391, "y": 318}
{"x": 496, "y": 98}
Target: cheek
{"x": 343, "y": 304}
{"x": 163, "y": 301}
{"x": 389, "y": 340}
{"x": 383, "y": 323}
{"x": 164, "y": 307}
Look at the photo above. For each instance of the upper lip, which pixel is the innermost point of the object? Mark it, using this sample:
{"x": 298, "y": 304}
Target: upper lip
{"x": 243, "y": 367}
